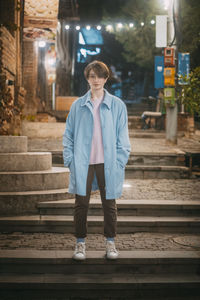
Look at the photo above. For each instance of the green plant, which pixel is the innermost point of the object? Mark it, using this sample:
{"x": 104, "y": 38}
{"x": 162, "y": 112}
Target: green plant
{"x": 189, "y": 95}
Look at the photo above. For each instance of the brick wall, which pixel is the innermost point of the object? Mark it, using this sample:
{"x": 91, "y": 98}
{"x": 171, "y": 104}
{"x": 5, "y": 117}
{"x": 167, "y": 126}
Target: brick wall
{"x": 8, "y": 56}
{"x": 30, "y": 77}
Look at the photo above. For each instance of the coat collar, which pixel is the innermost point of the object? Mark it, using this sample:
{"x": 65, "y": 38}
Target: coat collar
{"x": 86, "y": 99}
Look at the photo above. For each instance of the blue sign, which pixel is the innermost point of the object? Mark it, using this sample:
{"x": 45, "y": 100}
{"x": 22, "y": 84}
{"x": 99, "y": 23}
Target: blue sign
{"x": 183, "y": 67}
{"x": 159, "y": 72}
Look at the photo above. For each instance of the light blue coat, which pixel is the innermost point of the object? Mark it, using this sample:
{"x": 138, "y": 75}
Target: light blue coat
{"x": 77, "y": 140}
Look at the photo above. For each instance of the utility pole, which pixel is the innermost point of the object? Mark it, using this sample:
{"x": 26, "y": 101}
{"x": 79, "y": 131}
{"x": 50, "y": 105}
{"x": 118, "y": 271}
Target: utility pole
{"x": 172, "y": 112}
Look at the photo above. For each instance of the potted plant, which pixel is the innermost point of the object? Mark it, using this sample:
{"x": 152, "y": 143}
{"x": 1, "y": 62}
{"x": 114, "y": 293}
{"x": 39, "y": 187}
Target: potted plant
{"x": 189, "y": 96}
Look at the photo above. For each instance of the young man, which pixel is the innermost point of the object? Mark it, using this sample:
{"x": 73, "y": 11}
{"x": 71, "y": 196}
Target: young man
{"x": 96, "y": 150}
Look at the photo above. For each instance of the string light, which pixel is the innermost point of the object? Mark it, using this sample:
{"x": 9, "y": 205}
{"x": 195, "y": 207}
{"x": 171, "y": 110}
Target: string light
{"x": 167, "y": 4}
{"x": 110, "y": 27}
{"x": 119, "y": 25}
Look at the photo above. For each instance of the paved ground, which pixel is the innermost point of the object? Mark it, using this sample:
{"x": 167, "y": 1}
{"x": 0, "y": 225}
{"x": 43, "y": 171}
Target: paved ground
{"x": 136, "y": 241}
{"x": 169, "y": 189}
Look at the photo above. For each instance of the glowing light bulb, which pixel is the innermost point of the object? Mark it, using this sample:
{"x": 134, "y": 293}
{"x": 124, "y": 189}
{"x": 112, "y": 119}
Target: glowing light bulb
{"x": 119, "y": 25}
{"x": 42, "y": 44}
{"x": 109, "y": 27}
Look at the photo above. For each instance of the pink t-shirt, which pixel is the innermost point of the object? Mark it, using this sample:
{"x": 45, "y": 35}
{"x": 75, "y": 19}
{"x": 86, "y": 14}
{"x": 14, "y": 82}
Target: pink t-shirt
{"x": 97, "y": 153}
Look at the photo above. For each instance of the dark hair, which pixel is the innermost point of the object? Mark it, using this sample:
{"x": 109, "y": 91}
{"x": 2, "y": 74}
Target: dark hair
{"x": 99, "y": 68}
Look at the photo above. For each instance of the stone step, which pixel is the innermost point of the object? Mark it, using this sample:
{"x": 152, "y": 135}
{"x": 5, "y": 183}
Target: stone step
{"x": 17, "y": 203}
{"x": 126, "y": 224}
{"x": 13, "y": 144}
{"x": 156, "y": 159}
{"x": 130, "y": 262}
{"x": 126, "y": 207}
{"x": 135, "y": 122}
{"x": 150, "y": 134}
{"x": 56, "y": 178}
{"x": 98, "y": 286}
{"x": 159, "y": 172}
{"x": 140, "y": 158}
{"x": 29, "y": 161}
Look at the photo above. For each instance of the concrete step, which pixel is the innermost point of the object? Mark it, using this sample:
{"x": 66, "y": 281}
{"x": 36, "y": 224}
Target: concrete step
{"x": 159, "y": 172}
{"x": 135, "y": 122}
{"x": 140, "y": 158}
{"x": 126, "y": 224}
{"x": 126, "y": 207}
{"x": 56, "y": 178}
{"x": 150, "y": 134}
{"x": 13, "y": 144}
{"x": 17, "y": 203}
{"x": 98, "y": 286}
{"x": 157, "y": 159}
{"x": 29, "y": 161}
{"x": 130, "y": 262}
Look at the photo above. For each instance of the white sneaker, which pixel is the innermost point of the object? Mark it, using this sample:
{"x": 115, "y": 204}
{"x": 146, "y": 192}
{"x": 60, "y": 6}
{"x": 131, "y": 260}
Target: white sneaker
{"x": 79, "y": 253}
{"x": 111, "y": 251}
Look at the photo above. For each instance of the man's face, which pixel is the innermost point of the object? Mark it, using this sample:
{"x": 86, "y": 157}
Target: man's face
{"x": 96, "y": 83}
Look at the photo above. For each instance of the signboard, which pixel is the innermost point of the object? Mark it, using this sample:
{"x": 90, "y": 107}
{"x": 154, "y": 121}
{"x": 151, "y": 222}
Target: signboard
{"x": 169, "y": 76}
{"x": 183, "y": 67}
{"x": 161, "y": 31}
{"x": 159, "y": 72}
{"x": 169, "y": 96}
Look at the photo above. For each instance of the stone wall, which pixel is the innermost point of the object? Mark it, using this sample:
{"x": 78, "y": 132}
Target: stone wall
{"x": 30, "y": 77}
{"x": 11, "y": 68}
{"x": 8, "y": 56}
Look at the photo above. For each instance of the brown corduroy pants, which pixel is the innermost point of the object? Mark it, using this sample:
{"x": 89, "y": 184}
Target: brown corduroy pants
{"x": 82, "y": 205}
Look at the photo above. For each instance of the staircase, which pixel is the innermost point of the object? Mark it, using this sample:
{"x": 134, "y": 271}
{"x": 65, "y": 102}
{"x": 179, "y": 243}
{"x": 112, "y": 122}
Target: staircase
{"x": 28, "y": 177}
{"x": 135, "y": 275}
{"x": 133, "y": 216}
{"x": 148, "y": 165}
{"x": 53, "y": 274}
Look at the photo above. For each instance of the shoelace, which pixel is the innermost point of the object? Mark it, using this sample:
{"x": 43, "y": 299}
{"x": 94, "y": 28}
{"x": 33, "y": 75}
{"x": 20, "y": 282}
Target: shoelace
{"x": 111, "y": 248}
{"x": 80, "y": 248}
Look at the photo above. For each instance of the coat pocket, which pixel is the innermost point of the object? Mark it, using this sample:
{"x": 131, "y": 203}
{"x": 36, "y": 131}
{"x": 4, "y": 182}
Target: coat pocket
{"x": 72, "y": 176}
{"x": 119, "y": 177}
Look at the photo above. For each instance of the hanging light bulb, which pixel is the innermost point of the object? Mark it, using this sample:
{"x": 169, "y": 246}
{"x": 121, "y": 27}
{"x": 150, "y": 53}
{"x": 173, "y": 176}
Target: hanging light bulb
{"x": 42, "y": 44}
{"x": 88, "y": 27}
{"x": 152, "y": 22}
{"x": 119, "y": 25}
{"x": 78, "y": 27}
{"x": 98, "y": 27}
{"x": 109, "y": 27}
{"x": 67, "y": 27}
{"x": 142, "y": 23}
{"x": 131, "y": 25}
